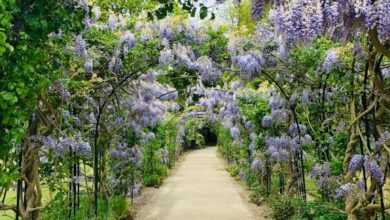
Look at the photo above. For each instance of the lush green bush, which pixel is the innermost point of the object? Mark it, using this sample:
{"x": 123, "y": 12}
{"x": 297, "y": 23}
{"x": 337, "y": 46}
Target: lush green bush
{"x": 320, "y": 210}
{"x": 284, "y": 208}
{"x": 116, "y": 207}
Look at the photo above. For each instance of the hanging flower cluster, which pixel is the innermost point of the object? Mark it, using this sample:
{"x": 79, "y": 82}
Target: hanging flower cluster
{"x": 305, "y": 20}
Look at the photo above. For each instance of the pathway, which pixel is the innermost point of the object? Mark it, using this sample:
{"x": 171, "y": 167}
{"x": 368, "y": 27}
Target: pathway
{"x": 200, "y": 189}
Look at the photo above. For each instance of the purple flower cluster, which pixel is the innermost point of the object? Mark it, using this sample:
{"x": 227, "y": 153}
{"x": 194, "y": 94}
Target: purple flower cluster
{"x": 88, "y": 65}
{"x": 383, "y": 9}
{"x": 166, "y": 31}
{"x": 331, "y": 61}
{"x": 321, "y": 173}
{"x": 249, "y": 65}
{"x": 306, "y": 98}
{"x": 80, "y": 46}
{"x": 356, "y": 163}
{"x": 297, "y": 129}
{"x": 377, "y": 16}
{"x": 235, "y": 133}
{"x": 276, "y": 16}
{"x": 295, "y": 21}
{"x": 64, "y": 145}
{"x": 276, "y": 102}
{"x": 385, "y": 137}
{"x": 386, "y": 73}
{"x": 314, "y": 19}
{"x": 115, "y": 64}
{"x": 344, "y": 190}
{"x": 371, "y": 166}
{"x": 304, "y": 20}
{"x": 120, "y": 152}
{"x": 125, "y": 155}
{"x": 279, "y": 147}
{"x": 112, "y": 22}
{"x": 163, "y": 155}
{"x": 375, "y": 171}
{"x": 147, "y": 107}
{"x": 207, "y": 71}
{"x": 58, "y": 88}
{"x": 145, "y": 113}
{"x": 331, "y": 14}
{"x": 166, "y": 57}
{"x": 280, "y": 116}
{"x": 184, "y": 56}
{"x": 258, "y": 167}
{"x": 127, "y": 42}
{"x": 257, "y": 8}
{"x": 266, "y": 122}
{"x": 195, "y": 32}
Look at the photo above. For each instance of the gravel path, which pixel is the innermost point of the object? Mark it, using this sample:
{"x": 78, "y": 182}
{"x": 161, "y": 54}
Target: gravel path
{"x": 200, "y": 189}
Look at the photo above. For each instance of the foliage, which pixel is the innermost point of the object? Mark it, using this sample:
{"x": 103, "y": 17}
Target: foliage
{"x": 99, "y": 98}
{"x": 321, "y": 210}
{"x": 284, "y": 208}
{"x": 115, "y": 208}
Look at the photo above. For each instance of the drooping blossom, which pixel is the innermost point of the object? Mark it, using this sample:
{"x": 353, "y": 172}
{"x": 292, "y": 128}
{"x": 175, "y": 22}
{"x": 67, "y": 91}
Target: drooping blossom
{"x": 235, "y": 133}
{"x": 295, "y": 21}
{"x": 115, "y": 64}
{"x": 80, "y": 46}
{"x": 59, "y": 89}
{"x": 375, "y": 171}
{"x": 127, "y": 41}
{"x": 356, "y": 163}
{"x": 331, "y": 14}
{"x": 382, "y": 140}
{"x": 280, "y": 116}
{"x": 112, "y": 22}
{"x": 278, "y": 148}
{"x": 321, "y": 173}
{"x": 257, "y": 9}
{"x": 306, "y": 97}
{"x": 383, "y": 8}
{"x": 276, "y": 16}
{"x": 88, "y": 65}
{"x": 166, "y": 30}
{"x": 184, "y": 56}
{"x": 314, "y": 19}
{"x": 276, "y": 102}
{"x": 266, "y": 122}
{"x": 307, "y": 140}
{"x": 249, "y": 65}
{"x": 331, "y": 61}
{"x": 297, "y": 129}
{"x": 166, "y": 57}
{"x": 258, "y": 167}
{"x": 208, "y": 72}
{"x": 344, "y": 190}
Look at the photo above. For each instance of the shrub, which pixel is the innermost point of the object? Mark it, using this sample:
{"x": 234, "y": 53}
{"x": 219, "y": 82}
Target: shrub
{"x": 321, "y": 211}
{"x": 284, "y": 208}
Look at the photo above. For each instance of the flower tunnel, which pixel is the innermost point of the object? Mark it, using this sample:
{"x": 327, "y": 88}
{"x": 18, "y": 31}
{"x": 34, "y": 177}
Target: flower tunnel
{"x": 99, "y": 100}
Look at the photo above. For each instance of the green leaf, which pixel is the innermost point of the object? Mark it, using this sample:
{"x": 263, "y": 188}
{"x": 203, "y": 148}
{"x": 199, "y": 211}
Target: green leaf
{"x": 193, "y": 12}
{"x": 203, "y": 12}
{"x": 9, "y": 97}
{"x": 212, "y": 16}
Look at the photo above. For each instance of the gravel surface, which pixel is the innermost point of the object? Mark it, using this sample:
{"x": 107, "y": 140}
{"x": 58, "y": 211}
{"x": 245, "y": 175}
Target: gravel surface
{"x": 201, "y": 189}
